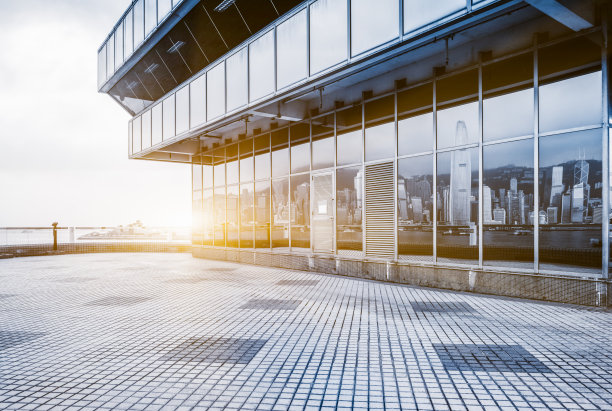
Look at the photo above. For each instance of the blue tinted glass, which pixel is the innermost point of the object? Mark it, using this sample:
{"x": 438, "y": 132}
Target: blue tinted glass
{"x": 373, "y": 23}
{"x": 418, "y": 13}
{"x": 261, "y": 66}
{"x": 291, "y": 50}
{"x": 237, "y": 87}
{"x": 215, "y": 101}
{"x": 328, "y": 34}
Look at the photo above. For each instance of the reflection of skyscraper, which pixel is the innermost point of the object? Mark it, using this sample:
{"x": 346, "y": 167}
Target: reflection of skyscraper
{"x": 566, "y": 208}
{"x": 499, "y": 215}
{"x": 513, "y": 185}
{"x": 358, "y": 182}
{"x": 460, "y": 179}
{"x": 556, "y": 189}
{"x": 578, "y": 203}
{"x": 486, "y": 205}
{"x": 581, "y": 172}
{"x": 417, "y": 209}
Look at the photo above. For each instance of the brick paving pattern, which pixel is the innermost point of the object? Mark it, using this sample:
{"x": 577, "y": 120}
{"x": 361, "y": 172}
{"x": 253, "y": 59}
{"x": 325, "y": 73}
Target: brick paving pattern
{"x": 153, "y": 331}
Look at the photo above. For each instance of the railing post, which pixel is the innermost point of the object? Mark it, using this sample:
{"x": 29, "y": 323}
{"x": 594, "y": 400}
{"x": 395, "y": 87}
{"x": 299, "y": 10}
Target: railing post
{"x": 54, "y": 236}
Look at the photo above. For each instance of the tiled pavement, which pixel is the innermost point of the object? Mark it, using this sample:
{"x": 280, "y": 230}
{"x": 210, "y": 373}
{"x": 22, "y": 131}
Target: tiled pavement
{"x": 150, "y": 331}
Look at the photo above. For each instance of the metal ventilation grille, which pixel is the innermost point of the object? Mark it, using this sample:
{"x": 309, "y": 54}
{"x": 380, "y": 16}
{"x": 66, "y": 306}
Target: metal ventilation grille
{"x": 379, "y": 211}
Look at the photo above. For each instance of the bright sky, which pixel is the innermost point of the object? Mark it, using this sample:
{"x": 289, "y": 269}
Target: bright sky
{"x": 63, "y": 146}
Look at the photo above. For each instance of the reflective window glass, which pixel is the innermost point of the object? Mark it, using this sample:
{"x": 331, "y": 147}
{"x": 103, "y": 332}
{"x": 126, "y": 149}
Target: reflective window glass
{"x": 207, "y": 176}
{"x": 262, "y": 166}
{"x": 136, "y": 135}
{"x": 280, "y": 213}
{"x": 163, "y": 8}
{"x": 300, "y": 211}
{"x": 458, "y": 125}
{"x": 219, "y": 171}
{"x": 508, "y": 115}
{"x": 571, "y": 103}
{"x": 169, "y": 117}
{"x": 110, "y": 56}
{"x": 415, "y": 210}
{"x": 457, "y": 86}
{"x": 568, "y": 55}
{"x": 197, "y": 101}
{"x": 350, "y": 137}
{"x": 119, "y": 46}
{"x": 150, "y": 18}
{"x": 247, "y": 218}
{"x": 207, "y": 217}
{"x": 219, "y": 219}
{"x": 508, "y": 204}
{"x": 182, "y": 110}
{"x": 138, "y": 23}
{"x": 291, "y": 50}
{"x": 328, "y": 34}
{"x": 380, "y": 141}
{"x": 349, "y": 210}
{"x": 102, "y": 66}
{"x": 323, "y": 148}
{"x": 232, "y": 216}
{"x": 415, "y": 134}
{"x": 300, "y": 147}
{"x": 156, "y": 124}
{"x": 232, "y": 172}
{"x": 128, "y": 34}
{"x": 196, "y": 176}
{"x": 373, "y": 23}
{"x": 457, "y": 208}
{"x": 215, "y": 87}
{"x": 570, "y": 210}
{"x": 419, "y": 13}
{"x": 246, "y": 169}
{"x": 280, "y": 153}
{"x": 508, "y": 72}
{"x": 262, "y": 214}
{"x": 237, "y": 87}
{"x": 146, "y": 129}
{"x": 261, "y": 66}
{"x": 197, "y": 211}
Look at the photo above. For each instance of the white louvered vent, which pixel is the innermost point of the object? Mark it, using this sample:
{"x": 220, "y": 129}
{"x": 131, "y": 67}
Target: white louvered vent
{"x": 379, "y": 211}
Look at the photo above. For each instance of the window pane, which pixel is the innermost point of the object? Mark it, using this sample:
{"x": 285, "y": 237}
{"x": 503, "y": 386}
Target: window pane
{"x": 291, "y": 50}
{"x": 246, "y": 169}
{"x": 280, "y": 162}
{"x": 261, "y": 66}
{"x": 262, "y": 166}
{"x": 300, "y": 211}
{"x": 232, "y": 172}
{"x": 300, "y": 157}
{"x": 246, "y": 215}
{"x": 507, "y": 72}
{"x": 219, "y": 222}
{"x": 458, "y": 125}
{"x": 349, "y": 236}
{"x": 323, "y": 149}
{"x": 415, "y": 134}
{"x": 328, "y": 30}
{"x": 157, "y": 121}
{"x": 163, "y": 8}
{"x": 350, "y": 137}
{"x": 262, "y": 214}
{"x": 136, "y": 135}
{"x": 146, "y": 129}
{"x": 571, "y": 103}
{"x": 197, "y": 101}
{"x": 196, "y": 212}
{"x": 507, "y": 204}
{"x": 570, "y": 212}
{"x": 119, "y": 46}
{"x": 207, "y": 176}
{"x": 110, "y": 57}
{"x": 182, "y": 110}
{"x": 150, "y": 16}
{"x": 380, "y": 141}
{"x": 128, "y": 35}
{"x": 196, "y": 176}
{"x": 508, "y": 115}
{"x": 457, "y": 191}
{"x": 232, "y": 216}
{"x": 215, "y": 91}
{"x": 373, "y": 23}
{"x": 237, "y": 86}
{"x": 418, "y": 13}
{"x": 219, "y": 175}
{"x": 169, "y": 124}
{"x": 415, "y": 208}
{"x": 208, "y": 218}
{"x": 102, "y": 66}
{"x": 138, "y": 23}
{"x": 280, "y": 213}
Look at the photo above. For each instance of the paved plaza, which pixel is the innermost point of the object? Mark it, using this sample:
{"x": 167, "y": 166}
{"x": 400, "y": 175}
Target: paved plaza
{"x": 167, "y": 331}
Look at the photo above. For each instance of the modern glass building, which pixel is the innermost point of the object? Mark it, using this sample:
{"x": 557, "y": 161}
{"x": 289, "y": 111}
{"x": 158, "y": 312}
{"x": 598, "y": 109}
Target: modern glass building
{"x": 454, "y": 143}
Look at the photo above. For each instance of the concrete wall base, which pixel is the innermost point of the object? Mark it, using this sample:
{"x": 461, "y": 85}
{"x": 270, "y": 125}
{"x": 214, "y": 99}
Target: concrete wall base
{"x": 581, "y": 291}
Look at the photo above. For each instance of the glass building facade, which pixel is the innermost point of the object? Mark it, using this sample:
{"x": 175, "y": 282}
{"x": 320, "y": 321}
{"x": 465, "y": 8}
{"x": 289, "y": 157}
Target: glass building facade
{"x": 473, "y": 154}
{"x": 492, "y": 166}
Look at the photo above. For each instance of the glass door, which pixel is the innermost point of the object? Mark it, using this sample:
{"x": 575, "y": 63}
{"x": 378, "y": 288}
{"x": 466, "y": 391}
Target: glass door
{"x": 323, "y": 225}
